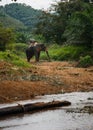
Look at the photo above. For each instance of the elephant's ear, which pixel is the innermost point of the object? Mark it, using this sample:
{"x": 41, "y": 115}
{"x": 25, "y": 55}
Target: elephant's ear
{"x": 43, "y": 47}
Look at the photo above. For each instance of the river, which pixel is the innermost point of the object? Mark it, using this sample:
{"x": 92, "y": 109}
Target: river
{"x": 56, "y": 119}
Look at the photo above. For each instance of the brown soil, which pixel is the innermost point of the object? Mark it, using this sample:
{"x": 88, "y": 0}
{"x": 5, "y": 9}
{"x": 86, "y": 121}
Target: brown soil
{"x": 43, "y": 78}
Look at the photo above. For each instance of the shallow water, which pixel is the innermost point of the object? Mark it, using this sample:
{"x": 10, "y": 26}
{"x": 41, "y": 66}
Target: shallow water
{"x": 57, "y": 119}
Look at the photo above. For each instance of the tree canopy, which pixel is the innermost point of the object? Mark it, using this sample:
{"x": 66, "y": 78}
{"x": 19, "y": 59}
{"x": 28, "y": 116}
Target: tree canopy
{"x": 68, "y": 22}
{"x": 21, "y": 18}
{"x": 6, "y": 38}
{"x": 65, "y": 23}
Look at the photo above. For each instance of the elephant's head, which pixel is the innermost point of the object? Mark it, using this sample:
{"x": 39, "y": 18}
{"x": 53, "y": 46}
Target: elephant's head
{"x": 42, "y": 47}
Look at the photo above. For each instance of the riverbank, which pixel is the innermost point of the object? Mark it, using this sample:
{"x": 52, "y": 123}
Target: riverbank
{"x": 43, "y": 78}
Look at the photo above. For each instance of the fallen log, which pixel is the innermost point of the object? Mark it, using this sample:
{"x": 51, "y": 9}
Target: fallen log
{"x": 32, "y": 107}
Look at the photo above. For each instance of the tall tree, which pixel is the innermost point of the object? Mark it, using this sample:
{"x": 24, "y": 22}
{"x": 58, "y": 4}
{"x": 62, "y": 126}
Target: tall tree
{"x": 70, "y": 22}
{"x": 6, "y": 38}
{"x": 80, "y": 26}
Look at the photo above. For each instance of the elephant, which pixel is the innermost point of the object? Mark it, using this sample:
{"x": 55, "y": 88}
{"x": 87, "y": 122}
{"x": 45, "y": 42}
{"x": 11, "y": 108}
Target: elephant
{"x": 35, "y": 51}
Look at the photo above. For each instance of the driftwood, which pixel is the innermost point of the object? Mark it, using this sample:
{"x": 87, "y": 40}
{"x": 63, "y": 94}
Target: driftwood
{"x": 32, "y": 107}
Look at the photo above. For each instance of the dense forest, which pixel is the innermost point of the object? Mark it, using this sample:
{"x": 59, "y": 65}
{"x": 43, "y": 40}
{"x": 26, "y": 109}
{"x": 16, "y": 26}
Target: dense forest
{"x": 70, "y": 22}
{"x": 20, "y": 18}
{"x": 65, "y": 24}
{"x": 21, "y": 12}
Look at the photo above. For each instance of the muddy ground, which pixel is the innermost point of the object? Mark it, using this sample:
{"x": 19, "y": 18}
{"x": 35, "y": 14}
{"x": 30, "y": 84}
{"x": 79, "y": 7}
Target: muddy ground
{"x": 42, "y": 78}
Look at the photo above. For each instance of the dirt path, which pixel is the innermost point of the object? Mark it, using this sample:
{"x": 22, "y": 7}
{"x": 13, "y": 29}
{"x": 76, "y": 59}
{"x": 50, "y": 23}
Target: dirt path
{"x": 43, "y": 78}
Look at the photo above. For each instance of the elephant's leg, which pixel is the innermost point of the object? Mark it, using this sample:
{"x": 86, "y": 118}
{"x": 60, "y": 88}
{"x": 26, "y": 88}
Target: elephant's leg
{"x": 29, "y": 56}
{"x": 37, "y": 55}
{"x": 29, "y": 53}
{"x": 28, "y": 59}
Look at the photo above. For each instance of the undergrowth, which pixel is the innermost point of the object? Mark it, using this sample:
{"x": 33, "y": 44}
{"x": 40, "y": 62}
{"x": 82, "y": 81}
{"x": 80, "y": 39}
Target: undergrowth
{"x": 67, "y": 53}
{"x": 14, "y": 59}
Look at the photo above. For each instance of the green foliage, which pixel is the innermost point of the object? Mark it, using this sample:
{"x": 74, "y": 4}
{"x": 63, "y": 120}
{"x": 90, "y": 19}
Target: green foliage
{"x": 85, "y": 61}
{"x": 6, "y": 38}
{"x": 39, "y": 38}
{"x": 43, "y": 56}
{"x": 70, "y": 22}
{"x": 44, "y": 26}
{"x": 79, "y": 30}
{"x": 67, "y": 22}
{"x": 21, "y": 37}
{"x": 26, "y": 14}
{"x": 10, "y": 22}
{"x": 51, "y": 26}
{"x": 14, "y": 59}
{"x": 19, "y": 49}
{"x": 67, "y": 52}
{"x": 21, "y": 18}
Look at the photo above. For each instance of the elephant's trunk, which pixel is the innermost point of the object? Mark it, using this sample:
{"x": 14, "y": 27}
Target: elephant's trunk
{"x": 47, "y": 54}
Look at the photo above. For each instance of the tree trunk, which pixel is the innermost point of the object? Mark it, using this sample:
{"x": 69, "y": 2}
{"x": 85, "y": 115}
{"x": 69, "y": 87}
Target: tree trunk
{"x": 33, "y": 107}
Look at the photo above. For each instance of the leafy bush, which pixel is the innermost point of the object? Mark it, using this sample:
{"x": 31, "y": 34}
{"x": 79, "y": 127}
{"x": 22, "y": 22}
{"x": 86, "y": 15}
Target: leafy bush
{"x": 14, "y": 59}
{"x": 19, "y": 49}
{"x": 6, "y": 38}
{"x": 85, "y": 61}
{"x": 67, "y": 52}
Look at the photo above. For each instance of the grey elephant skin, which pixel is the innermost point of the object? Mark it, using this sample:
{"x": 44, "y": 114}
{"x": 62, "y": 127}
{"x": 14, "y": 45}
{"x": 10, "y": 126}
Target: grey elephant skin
{"x": 35, "y": 51}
